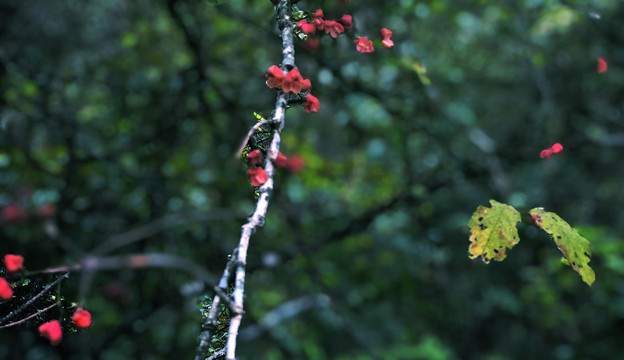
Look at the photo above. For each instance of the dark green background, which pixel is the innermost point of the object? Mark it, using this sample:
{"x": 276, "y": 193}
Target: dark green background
{"x": 125, "y": 112}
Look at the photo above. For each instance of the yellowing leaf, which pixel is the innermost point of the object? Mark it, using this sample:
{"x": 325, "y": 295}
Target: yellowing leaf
{"x": 493, "y": 231}
{"x": 572, "y": 245}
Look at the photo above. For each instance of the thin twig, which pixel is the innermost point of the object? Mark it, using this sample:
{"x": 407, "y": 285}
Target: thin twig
{"x": 29, "y": 317}
{"x": 34, "y": 298}
{"x": 217, "y": 355}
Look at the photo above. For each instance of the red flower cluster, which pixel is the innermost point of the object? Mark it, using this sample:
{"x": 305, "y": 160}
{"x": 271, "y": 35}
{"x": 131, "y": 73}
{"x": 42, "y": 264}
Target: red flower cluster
{"x": 365, "y": 45}
{"x": 17, "y": 214}
{"x": 291, "y": 82}
{"x": 13, "y": 262}
{"x": 52, "y": 330}
{"x": 5, "y": 289}
{"x": 602, "y": 66}
{"x": 555, "y": 149}
{"x": 332, "y": 27}
{"x": 82, "y": 318}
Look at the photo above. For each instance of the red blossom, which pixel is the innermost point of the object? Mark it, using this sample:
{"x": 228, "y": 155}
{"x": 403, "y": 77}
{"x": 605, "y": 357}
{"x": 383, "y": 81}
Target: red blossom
{"x": 280, "y": 160}
{"x": 346, "y": 21}
{"x": 46, "y": 211}
{"x": 364, "y": 45}
{"x": 52, "y": 330}
{"x": 307, "y": 84}
{"x": 257, "y": 176}
{"x": 275, "y": 77}
{"x": 5, "y": 289}
{"x": 545, "y": 154}
{"x": 13, "y": 213}
{"x": 311, "y": 44}
{"x": 318, "y": 20}
{"x": 311, "y": 104}
{"x": 13, "y": 262}
{"x": 385, "y": 33}
{"x": 295, "y": 163}
{"x": 82, "y": 318}
{"x": 254, "y": 157}
{"x": 602, "y": 66}
{"x": 385, "y": 38}
{"x": 333, "y": 28}
{"x": 293, "y": 82}
{"x": 555, "y": 149}
{"x": 306, "y": 27}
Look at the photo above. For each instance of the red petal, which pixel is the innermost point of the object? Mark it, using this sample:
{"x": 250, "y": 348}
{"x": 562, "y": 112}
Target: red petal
{"x": 602, "y": 66}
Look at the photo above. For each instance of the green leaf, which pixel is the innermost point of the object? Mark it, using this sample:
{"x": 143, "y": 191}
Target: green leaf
{"x": 493, "y": 231}
{"x": 572, "y": 245}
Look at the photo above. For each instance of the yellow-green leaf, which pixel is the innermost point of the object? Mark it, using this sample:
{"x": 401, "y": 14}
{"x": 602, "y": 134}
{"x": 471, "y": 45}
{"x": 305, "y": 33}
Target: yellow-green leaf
{"x": 572, "y": 245}
{"x": 493, "y": 231}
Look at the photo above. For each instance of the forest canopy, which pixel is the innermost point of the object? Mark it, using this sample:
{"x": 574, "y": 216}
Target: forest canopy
{"x": 121, "y": 124}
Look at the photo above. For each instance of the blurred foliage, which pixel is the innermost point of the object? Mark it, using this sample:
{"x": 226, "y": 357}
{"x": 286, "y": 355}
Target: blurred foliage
{"x": 124, "y": 113}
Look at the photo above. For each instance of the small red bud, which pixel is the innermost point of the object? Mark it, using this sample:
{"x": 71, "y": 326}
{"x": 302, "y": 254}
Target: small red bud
{"x": 254, "y": 157}
{"x": 52, "y": 330}
{"x": 311, "y": 104}
{"x": 257, "y": 176}
{"x": 557, "y": 148}
{"x": 5, "y": 289}
{"x": 280, "y": 160}
{"x": 602, "y": 66}
{"x": 13, "y": 262}
{"x": 82, "y": 318}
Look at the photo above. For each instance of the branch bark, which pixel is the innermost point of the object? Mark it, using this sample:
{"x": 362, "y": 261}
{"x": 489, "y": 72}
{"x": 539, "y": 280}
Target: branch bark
{"x": 238, "y": 261}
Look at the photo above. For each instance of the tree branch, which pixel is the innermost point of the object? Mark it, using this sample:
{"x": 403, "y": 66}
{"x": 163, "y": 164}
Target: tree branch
{"x": 239, "y": 256}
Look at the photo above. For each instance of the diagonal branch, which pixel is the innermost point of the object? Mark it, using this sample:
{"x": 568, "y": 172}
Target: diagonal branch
{"x": 236, "y": 265}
